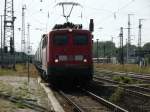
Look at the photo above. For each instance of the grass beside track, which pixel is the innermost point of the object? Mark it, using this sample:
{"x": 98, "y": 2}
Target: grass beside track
{"x": 21, "y": 70}
{"x": 124, "y": 68}
{"x": 19, "y": 95}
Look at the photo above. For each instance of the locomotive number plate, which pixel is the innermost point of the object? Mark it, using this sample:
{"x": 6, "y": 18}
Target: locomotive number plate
{"x": 71, "y": 58}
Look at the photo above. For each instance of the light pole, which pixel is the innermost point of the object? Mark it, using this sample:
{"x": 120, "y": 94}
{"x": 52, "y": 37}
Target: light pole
{"x": 104, "y": 51}
{"x": 1, "y": 40}
{"x": 121, "y": 46}
{"x": 100, "y": 29}
{"x": 112, "y": 38}
{"x": 129, "y": 36}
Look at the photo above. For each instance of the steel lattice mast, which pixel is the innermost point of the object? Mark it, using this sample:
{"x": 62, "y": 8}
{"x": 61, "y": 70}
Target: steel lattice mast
{"x": 8, "y": 41}
{"x": 23, "y": 40}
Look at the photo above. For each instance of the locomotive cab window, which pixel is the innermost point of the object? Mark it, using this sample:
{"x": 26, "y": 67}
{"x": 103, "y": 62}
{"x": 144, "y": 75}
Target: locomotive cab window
{"x": 60, "y": 39}
{"x": 80, "y": 40}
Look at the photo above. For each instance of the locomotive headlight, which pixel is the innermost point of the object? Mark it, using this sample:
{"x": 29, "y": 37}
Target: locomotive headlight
{"x": 56, "y": 60}
{"x": 85, "y": 60}
{"x": 70, "y": 30}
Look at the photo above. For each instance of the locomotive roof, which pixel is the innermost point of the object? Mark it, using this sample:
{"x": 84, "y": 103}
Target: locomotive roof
{"x": 69, "y": 30}
{"x": 68, "y": 25}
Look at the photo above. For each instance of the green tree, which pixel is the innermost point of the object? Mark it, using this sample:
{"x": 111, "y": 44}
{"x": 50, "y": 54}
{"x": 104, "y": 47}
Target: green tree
{"x": 105, "y": 49}
{"x": 146, "y": 46}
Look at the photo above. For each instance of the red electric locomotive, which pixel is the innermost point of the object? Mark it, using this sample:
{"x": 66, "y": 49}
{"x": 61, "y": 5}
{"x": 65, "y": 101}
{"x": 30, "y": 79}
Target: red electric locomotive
{"x": 66, "y": 53}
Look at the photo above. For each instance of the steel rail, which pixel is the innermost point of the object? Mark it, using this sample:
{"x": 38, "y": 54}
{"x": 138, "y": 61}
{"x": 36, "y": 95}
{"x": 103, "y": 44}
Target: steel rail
{"x": 135, "y": 93}
{"x": 130, "y": 74}
{"x": 122, "y": 72}
{"x": 76, "y": 107}
{"x": 137, "y": 88}
{"x": 110, "y": 81}
{"x": 102, "y": 101}
{"x": 110, "y": 105}
{"x": 141, "y": 78}
{"x": 127, "y": 90}
{"x": 124, "y": 84}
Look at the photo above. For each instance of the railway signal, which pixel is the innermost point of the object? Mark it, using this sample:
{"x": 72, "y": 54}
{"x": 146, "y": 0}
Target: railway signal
{"x": 91, "y": 25}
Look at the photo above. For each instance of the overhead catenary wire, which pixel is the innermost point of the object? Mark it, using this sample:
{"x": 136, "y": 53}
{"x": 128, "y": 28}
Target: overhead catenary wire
{"x": 114, "y": 12}
{"x": 108, "y": 17}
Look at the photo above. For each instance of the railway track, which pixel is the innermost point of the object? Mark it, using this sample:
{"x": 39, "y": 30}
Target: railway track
{"x": 135, "y": 87}
{"x": 106, "y": 80}
{"x": 136, "y": 90}
{"x": 127, "y": 98}
{"x": 86, "y": 101}
{"x": 141, "y": 77}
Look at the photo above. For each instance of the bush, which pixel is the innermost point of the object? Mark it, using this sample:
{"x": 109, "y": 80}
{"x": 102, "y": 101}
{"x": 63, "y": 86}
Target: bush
{"x": 123, "y": 79}
{"x": 116, "y": 96}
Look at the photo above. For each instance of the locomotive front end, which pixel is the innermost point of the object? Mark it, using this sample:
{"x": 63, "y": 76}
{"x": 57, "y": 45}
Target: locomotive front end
{"x": 70, "y": 55}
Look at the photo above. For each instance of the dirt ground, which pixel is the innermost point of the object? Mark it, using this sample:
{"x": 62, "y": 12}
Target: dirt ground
{"x": 17, "y": 95}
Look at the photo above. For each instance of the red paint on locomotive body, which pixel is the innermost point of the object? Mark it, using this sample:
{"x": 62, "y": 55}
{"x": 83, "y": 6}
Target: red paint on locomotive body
{"x": 67, "y": 53}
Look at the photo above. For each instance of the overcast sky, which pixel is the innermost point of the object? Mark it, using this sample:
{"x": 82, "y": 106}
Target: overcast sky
{"x": 108, "y": 15}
